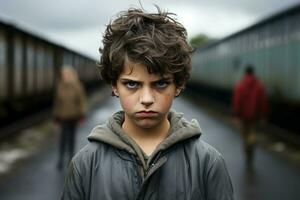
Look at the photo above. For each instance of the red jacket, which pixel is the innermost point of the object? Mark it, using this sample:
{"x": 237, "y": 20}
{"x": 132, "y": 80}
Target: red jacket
{"x": 249, "y": 101}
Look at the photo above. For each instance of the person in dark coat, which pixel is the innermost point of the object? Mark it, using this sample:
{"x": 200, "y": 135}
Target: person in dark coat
{"x": 146, "y": 150}
{"x": 69, "y": 110}
{"x": 250, "y": 106}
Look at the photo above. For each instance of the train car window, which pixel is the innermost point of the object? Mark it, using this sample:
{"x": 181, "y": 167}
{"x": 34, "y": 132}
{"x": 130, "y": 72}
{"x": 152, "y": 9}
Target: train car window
{"x": 255, "y": 39}
{"x": 280, "y": 32}
{"x": 240, "y": 44}
{"x": 265, "y": 36}
{"x": 297, "y": 25}
{"x": 40, "y": 67}
{"x": 231, "y": 45}
{"x": 30, "y": 66}
{"x": 224, "y": 49}
{"x": 49, "y": 69}
{"x": 260, "y": 38}
{"x": 252, "y": 40}
{"x": 77, "y": 62}
{"x": 73, "y": 59}
{"x": 82, "y": 67}
{"x": 244, "y": 42}
{"x": 294, "y": 27}
{"x": 52, "y": 69}
{"x": 287, "y": 29}
{"x": 3, "y": 66}
{"x": 271, "y": 34}
{"x": 237, "y": 45}
{"x": 247, "y": 41}
{"x": 274, "y": 32}
{"x": 18, "y": 66}
{"x": 91, "y": 71}
{"x": 67, "y": 59}
{"x": 285, "y": 34}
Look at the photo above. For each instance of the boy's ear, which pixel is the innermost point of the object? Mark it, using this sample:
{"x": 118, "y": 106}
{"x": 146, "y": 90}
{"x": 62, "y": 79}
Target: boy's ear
{"x": 114, "y": 91}
{"x": 178, "y": 90}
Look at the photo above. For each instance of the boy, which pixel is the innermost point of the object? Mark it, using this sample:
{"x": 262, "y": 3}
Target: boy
{"x": 146, "y": 151}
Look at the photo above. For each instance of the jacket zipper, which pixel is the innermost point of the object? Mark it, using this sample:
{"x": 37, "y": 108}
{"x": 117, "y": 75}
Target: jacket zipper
{"x": 153, "y": 167}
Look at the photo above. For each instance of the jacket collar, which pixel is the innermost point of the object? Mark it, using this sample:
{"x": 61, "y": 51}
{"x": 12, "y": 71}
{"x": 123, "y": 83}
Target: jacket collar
{"x": 112, "y": 133}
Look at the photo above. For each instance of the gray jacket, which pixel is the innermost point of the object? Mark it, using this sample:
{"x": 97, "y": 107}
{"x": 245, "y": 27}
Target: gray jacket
{"x": 112, "y": 166}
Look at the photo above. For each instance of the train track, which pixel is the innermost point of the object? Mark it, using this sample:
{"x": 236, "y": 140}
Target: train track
{"x": 16, "y": 126}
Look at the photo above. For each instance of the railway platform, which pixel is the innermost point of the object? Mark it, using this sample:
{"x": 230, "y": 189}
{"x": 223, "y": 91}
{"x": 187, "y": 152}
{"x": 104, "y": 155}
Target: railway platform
{"x": 28, "y": 162}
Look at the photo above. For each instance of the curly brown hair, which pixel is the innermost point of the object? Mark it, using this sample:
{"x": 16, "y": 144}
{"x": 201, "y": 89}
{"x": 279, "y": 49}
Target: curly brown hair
{"x": 155, "y": 40}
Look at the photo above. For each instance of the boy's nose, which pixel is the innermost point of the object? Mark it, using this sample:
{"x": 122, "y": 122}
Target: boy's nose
{"x": 147, "y": 96}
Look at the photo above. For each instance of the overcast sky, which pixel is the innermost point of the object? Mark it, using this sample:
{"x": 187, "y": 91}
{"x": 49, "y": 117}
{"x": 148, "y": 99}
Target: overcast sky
{"x": 79, "y": 24}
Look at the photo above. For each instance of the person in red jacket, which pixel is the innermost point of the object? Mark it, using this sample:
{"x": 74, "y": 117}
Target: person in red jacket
{"x": 250, "y": 106}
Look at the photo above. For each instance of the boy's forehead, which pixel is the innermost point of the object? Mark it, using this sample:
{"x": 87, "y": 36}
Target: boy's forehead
{"x": 137, "y": 70}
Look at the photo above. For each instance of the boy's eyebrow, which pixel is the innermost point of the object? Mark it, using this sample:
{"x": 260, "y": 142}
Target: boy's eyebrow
{"x": 128, "y": 79}
{"x": 160, "y": 79}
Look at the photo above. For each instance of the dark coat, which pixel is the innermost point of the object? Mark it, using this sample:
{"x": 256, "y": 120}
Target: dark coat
{"x": 188, "y": 169}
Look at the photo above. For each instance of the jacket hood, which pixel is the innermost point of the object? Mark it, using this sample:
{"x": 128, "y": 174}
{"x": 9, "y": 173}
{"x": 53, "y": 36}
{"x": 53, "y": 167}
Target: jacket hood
{"x": 112, "y": 133}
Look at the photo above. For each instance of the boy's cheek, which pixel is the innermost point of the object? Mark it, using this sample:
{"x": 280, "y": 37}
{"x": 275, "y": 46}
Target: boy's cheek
{"x": 166, "y": 102}
{"x": 127, "y": 103}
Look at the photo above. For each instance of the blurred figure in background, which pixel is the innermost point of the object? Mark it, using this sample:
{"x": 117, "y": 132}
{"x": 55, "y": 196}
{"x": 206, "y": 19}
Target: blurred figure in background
{"x": 69, "y": 110}
{"x": 250, "y": 106}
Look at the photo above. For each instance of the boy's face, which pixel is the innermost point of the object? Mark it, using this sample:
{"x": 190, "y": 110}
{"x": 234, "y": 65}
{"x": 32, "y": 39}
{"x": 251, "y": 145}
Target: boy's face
{"x": 145, "y": 98}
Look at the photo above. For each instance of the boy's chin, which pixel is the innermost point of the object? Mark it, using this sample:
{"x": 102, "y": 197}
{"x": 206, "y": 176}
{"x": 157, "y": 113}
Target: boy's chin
{"x": 147, "y": 123}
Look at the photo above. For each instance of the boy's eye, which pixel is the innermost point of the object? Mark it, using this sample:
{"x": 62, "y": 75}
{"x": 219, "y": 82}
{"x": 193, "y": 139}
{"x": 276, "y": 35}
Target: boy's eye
{"x": 161, "y": 84}
{"x": 131, "y": 84}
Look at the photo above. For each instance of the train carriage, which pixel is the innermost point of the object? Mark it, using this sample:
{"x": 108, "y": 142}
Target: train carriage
{"x": 272, "y": 46}
{"x": 29, "y": 66}
{"x": 3, "y": 69}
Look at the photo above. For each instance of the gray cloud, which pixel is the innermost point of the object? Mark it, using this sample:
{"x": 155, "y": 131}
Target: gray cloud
{"x": 68, "y": 21}
{"x": 71, "y": 14}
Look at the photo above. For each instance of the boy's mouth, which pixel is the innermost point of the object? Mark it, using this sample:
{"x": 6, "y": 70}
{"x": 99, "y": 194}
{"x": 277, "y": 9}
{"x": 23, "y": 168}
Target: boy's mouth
{"x": 145, "y": 114}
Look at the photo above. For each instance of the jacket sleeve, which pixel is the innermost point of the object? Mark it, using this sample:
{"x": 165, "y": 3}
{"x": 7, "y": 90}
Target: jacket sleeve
{"x": 73, "y": 189}
{"x": 219, "y": 186}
